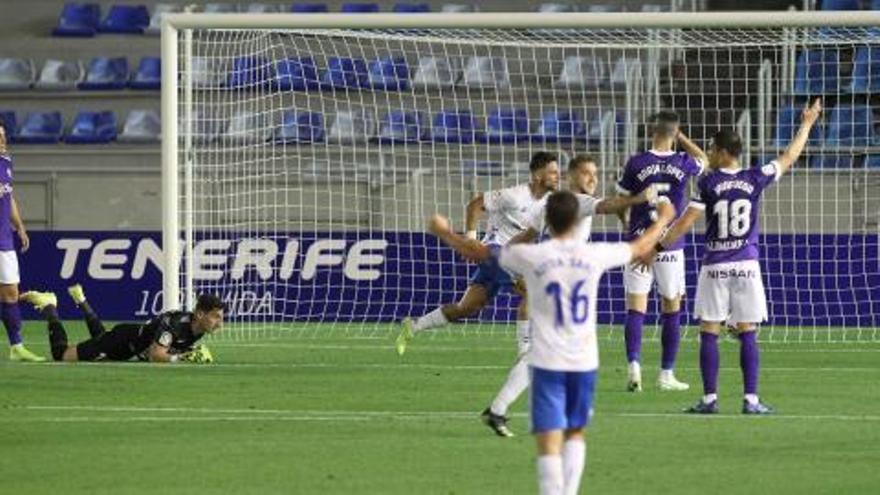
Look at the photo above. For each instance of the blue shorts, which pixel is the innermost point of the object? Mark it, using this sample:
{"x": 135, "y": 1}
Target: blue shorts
{"x": 491, "y": 276}
{"x": 561, "y": 400}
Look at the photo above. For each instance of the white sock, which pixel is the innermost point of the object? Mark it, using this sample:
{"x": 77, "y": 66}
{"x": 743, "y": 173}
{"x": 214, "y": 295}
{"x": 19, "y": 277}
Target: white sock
{"x": 523, "y": 336}
{"x": 433, "y": 319}
{"x": 708, "y": 398}
{"x": 574, "y": 454}
{"x": 751, "y": 398}
{"x": 635, "y": 369}
{"x": 666, "y": 374}
{"x": 516, "y": 383}
{"x": 17, "y": 346}
{"x": 550, "y": 478}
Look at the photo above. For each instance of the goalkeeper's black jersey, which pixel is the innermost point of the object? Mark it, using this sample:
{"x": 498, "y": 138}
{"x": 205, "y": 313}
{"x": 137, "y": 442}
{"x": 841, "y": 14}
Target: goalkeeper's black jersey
{"x": 172, "y": 329}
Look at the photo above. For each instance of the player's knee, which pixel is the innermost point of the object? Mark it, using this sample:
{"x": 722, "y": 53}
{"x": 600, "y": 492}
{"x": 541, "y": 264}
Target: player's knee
{"x": 8, "y": 293}
{"x": 671, "y": 305}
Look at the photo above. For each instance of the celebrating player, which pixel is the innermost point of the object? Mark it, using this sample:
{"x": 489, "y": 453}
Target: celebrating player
{"x": 508, "y": 210}
{"x": 671, "y": 171}
{"x": 729, "y": 288}
{"x": 582, "y": 180}
{"x": 10, "y": 219}
{"x": 169, "y": 337}
{"x": 562, "y": 279}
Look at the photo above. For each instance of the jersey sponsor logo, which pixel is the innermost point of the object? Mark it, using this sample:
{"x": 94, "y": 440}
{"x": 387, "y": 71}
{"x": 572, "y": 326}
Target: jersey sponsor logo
{"x": 727, "y": 273}
{"x": 5, "y": 189}
{"x": 726, "y": 245}
{"x": 661, "y": 169}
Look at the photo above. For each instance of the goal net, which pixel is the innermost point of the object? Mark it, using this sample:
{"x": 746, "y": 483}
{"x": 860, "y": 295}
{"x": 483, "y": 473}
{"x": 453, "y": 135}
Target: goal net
{"x": 304, "y": 161}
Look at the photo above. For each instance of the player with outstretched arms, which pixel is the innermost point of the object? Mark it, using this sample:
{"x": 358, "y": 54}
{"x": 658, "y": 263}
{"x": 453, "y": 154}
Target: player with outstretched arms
{"x": 729, "y": 288}
{"x": 508, "y": 210}
{"x": 562, "y": 279}
{"x": 671, "y": 171}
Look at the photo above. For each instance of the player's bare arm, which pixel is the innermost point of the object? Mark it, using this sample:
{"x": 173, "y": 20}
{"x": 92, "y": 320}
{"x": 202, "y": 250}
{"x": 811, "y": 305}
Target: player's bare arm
{"x": 619, "y": 205}
{"x": 18, "y": 225}
{"x": 159, "y": 353}
{"x": 797, "y": 144}
{"x": 691, "y": 148}
{"x": 527, "y": 236}
{"x": 471, "y": 249}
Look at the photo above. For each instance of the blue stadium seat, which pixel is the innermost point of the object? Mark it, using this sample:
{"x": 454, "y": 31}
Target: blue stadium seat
{"x": 159, "y": 10}
{"x": 486, "y": 72}
{"x": 351, "y": 126}
{"x": 850, "y": 125}
{"x": 411, "y": 8}
{"x": 60, "y": 75}
{"x": 16, "y": 73}
{"x": 262, "y": 8}
{"x": 221, "y": 8}
{"x": 10, "y": 124}
{"x": 359, "y": 8}
{"x": 141, "y": 126}
{"x": 297, "y": 74}
{"x": 560, "y": 126}
{"x": 106, "y": 73}
{"x": 40, "y": 128}
{"x": 454, "y": 126}
{"x": 866, "y": 70}
{"x": 875, "y": 5}
{"x": 872, "y": 161}
{"x": 816, "y": 72}
{"x": 78, "y": 19}
{"x": 788, "y": 119}
{"x": 482, "y": 168}
{"x": 400, "y": 126}
{"x": 308, "y": 8}
{"x": 594, "y": 129}
{"x": 835, "y": 162}
{"x": 92, "y": 128}
{"x": 300, "y": 127}
{"x": 125, "y": 19}
{"x": 148, "y": 74}
{"x": 582, "y": 72}
{"x": 840, "y": 5}
{"x": 250, "y": 72}
{"x": 388, "y": 73}
{"x": 434, "y": 72}
{"x": 344, "y": 73}
{"x": 506, "y": 125}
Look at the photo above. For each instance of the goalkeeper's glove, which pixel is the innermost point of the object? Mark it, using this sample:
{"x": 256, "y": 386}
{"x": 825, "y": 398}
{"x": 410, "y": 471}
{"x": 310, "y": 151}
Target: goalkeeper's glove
{"x": 199, "y": 354}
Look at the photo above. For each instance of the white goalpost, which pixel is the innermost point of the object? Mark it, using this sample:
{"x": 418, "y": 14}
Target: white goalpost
{"x": 301, "y": 154}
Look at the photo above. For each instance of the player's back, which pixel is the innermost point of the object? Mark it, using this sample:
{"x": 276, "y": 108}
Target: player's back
{"x": 509, "y": 211}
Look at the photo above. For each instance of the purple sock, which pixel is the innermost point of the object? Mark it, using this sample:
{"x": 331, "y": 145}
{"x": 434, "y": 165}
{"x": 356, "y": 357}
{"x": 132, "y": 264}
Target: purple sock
{"x": 633, "y": 335}
{"x": 749, "y": 358}
{"x": 11, "y": 316}
{"x": 670, "y": 339}
{"x": 709, "y": 362}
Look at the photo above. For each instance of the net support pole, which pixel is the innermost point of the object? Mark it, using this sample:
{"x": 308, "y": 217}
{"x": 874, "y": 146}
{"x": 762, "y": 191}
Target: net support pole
{"x": 189, "y": 166}
{"x": 170, "y": 184}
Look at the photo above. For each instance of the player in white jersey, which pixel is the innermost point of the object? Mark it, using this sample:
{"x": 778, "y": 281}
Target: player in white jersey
{"x": 583, "y": 177}
{"x": 562, "y": 278}
{"x": 508, "y": 210}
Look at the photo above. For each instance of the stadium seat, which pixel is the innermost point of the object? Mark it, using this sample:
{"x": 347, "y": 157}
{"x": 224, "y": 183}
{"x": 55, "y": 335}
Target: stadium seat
{"x": 604, "y": 8}
{"x": 411, "y": 8}
{"x": 458, "y": 8}
{"x": 388, "y": 73}
{"x": 788, "y": 119}
{"x": 16, "y": 73}
{"x": 250, "y": 73}
{"x": 850, "y": 125}
{"x": 92, "y": 128}
{"x": 840, "y": 5}
{"x": 10, "y": 124}
{"x": 834, "y": 162}
{"x": 208, "y": 72}
{"x": 141, "y": 126}
{"x": 125, "y": 19}
{"x": 866, "y": 70}
{"x": 433, "y": 72}
{"x": 106, "y": 73}
{"x": 221, "y": 8}
{"x": 308, "y": 8}
{"x": 159, "y": 10}
{"x": 454, "y": 126}
{"x": 560, "y": 126}
{"x": 399, "y": 126}
{"x": 359, "y": 8}
{"x": 344, "y": 73}
{"x": 816, "y": 72}
{"x": 262, "y": 8}
{"x": 351, "y": 126}
{"x": 581, "y": 72}
{"x": 482, "y": 168}
{"x": 148, "y": 74}
{"x": 486, "y": 72}
{"x": 206, "y": 126}
{"x": 553, "y": 7}
{"x": 78, "y": 19}
{"x": 506, "y": 125}
{"x": 872, "y": 161}
{"x": 654, "y": 7}
{"x": 60, "y": 75}
{"x": 618, "y": 76}
{"x": 297, "y": 74}
{"x": 248, "y": 127}
{"x": 40, "y": 128}
{"x": 300, "y": 127}
{"x": 594, "y": 128}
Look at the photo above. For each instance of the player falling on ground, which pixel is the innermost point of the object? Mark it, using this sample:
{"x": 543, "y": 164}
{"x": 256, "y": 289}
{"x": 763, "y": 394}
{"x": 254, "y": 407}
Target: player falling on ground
{"x": 583, "y": 177}
{"x": 729, "y": 288}
{"x": 169, "y": 337}
{"x": 663, "y": 167}
{"x": 562, "y": 280}
{"x": 10, "y": 219}
{"x": 508, "y": 209}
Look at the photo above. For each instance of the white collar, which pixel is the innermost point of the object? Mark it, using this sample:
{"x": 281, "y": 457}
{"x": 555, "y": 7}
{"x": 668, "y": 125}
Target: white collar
{"x": 730, "y": 171}
{"x": 661, "y": 153}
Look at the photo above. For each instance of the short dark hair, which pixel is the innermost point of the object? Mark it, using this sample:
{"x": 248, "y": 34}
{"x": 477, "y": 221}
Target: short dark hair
{"x": 728, "y": 140}
{"x": 209, "y": 302}
{"x": 562, "y": 211}
{"x": 540, "y": 160}
{"x": 664, "y": 122}
{"x": 579, "y": 160}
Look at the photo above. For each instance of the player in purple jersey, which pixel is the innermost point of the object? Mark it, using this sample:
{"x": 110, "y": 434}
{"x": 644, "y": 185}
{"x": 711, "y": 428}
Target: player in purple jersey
{"x": 10, "y": 221}
{"x": 669, "y": 171}
{"x": 730, "y": 288}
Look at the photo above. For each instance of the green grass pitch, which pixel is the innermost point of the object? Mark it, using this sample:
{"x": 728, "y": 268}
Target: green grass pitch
{"x": 337, "y": 415}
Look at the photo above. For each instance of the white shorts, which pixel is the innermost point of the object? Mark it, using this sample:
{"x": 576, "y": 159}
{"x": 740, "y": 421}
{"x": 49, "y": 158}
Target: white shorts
{"x": 668, "y": 269}
{"x": 9, "y": 268}
{"x": 731, "y": 292}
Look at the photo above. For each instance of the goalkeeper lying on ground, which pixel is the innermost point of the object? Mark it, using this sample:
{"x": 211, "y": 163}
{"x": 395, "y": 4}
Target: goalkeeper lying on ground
{"x": 169, "y": 337}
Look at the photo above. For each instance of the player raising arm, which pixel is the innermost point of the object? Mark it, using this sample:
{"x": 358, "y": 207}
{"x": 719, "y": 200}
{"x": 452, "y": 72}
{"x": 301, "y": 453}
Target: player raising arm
{"x": 729, "y": 287}
{"x": 562, "y": 278}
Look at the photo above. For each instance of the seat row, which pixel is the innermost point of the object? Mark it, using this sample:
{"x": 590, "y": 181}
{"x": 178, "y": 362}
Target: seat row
{"x": 141, "y": 126}
{"x": 102, "y": 73}
{"x": 844, "y": 125}
{"x": 819, "y": 71}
